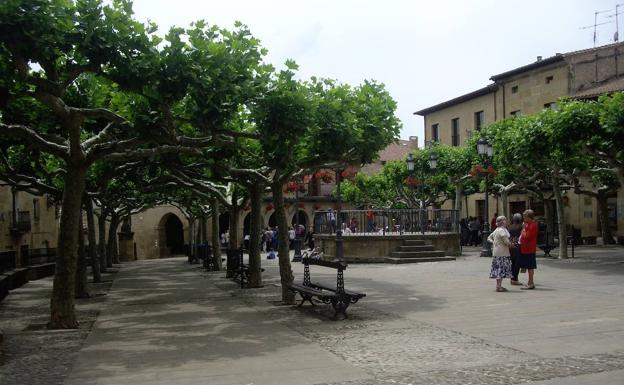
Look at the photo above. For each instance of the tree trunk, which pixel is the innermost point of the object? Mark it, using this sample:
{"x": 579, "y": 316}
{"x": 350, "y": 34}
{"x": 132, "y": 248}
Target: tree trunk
{"x": 62, "y": 309}
{"x": 603, "y": 217}
{"x": 81, "y": 290}
{"x": 563, "y": 231}
{"x": 255, "y": 261}
{"x": 505, "y": 199}
{"x": 459, "y": 188}
{"x": 92, "y": 252}
{"x": 112, "y": 235}
{"x": 214, "y": 236}
{"x": 102, "y": 241}
{"x": 283, "y": 254}
{"x": 550, "y": 221}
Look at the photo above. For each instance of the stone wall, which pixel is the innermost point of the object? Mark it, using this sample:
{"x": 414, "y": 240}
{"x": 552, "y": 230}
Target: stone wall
{"x": 375, "y": 248}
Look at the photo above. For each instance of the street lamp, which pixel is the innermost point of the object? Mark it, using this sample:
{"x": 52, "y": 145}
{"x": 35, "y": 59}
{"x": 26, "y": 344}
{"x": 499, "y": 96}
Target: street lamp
{"x": 339, "y": 245}
{"x": 486, "y": 151}
{"x": 433, "y": 165}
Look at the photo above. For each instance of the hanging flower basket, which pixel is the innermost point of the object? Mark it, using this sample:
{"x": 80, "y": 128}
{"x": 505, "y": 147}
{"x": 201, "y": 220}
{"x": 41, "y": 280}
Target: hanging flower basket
{"x": 324, "y": 176}
{"x": 269, "y": 207}
{"x": 294, "y": 186}
{"x": 411, "y": 181}
{"x": 317, "y": 207}
{"x": 300, "y": 205}
{"x": 480, "y": 171}
{"x": 349, "y": 172}
{"x": 247, "y": 208}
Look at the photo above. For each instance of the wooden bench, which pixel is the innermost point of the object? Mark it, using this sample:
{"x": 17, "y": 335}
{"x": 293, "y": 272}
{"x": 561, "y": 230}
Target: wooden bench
{"x": 338, "y": 296}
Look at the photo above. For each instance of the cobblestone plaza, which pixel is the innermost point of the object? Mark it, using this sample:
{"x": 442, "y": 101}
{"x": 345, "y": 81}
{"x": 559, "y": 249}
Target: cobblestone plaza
{"x": 167, "y": 322}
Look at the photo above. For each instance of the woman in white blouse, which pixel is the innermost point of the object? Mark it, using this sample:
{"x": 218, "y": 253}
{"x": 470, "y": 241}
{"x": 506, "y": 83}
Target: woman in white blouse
{"x": 501, "y": 261}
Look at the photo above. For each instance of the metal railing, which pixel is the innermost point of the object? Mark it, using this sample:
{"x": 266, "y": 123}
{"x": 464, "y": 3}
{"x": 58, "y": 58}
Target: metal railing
{"x": 387, "y": 221}
{"x": 7, "y": 260}
{"x": 22, "y": 222}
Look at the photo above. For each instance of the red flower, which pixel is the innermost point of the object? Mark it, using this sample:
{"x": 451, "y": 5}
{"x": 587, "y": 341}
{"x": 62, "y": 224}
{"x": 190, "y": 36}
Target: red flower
{"x": 411, "y": 181}
{"x": 301, "y": 205}
{"x": 323, "y": 176}
{"x": 478, "y": 170}
{"x": 348, "y": 172}
{"x": 269, "y": 207}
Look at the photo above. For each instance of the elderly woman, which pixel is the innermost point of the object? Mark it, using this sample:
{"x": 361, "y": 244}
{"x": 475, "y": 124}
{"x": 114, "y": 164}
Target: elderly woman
{"x": 501, "y": 261}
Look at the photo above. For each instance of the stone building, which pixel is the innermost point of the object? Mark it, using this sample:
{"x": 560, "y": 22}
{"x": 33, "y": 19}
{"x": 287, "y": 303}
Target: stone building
{"x": 528, "y": 89}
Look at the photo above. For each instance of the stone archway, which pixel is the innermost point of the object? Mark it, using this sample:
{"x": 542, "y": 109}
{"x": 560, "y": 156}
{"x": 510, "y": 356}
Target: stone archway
{"x": 272, "y": 220}
{"x": 303, "y": 218}
{"x": 170, "y": 236}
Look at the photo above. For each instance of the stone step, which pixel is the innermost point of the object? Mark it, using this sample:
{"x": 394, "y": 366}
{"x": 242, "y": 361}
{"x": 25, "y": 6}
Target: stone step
{"x": 418, "y": 254}
{"x": 414, "y": 242}
{"x": 418, "y": 260}
{"x": 416, "y": 248}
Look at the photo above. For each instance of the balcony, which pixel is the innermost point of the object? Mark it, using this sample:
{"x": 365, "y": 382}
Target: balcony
{"x": 21, "y": 223}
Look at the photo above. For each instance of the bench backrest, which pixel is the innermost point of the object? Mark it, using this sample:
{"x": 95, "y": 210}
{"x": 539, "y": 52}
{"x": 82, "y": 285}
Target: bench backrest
{"x": 335, "y": 264}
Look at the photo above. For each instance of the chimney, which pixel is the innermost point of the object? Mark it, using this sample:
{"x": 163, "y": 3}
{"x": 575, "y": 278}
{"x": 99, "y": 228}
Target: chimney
{"x": 539, "y": 58}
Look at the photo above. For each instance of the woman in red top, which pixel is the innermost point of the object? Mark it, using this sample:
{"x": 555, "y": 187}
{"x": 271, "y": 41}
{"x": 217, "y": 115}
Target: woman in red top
{"x": 528, "y": 245}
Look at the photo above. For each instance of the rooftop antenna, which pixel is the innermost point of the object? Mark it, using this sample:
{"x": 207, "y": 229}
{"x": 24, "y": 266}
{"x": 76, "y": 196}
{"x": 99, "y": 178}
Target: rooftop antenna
{"x": 616, "y": 36}
{"x": 596, "y": 24}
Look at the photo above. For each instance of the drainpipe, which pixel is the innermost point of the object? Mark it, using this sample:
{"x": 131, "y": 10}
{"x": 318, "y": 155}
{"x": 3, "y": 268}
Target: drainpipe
{"x": 504, "y": 107}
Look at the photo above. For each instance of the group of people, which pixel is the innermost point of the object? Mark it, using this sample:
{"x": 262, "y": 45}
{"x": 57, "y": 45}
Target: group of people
{"x": 513, "y": 250}
{"x": 270, "y": 238}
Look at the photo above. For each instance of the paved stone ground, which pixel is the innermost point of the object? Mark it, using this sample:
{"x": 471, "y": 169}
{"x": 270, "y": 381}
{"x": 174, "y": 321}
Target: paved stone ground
{"x": 165, "y": 322}
{"x": 30, "y": 354}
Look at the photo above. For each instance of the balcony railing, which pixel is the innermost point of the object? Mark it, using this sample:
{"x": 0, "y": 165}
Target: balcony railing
{"x": 387, "y": 221}
{"x": 21, "y": 222}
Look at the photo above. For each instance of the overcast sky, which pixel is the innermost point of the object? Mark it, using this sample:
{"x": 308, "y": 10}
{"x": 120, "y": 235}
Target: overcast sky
{"x": 425, "y": 52}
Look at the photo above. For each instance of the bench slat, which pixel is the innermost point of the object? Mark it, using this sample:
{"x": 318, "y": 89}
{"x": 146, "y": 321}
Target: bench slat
{"x": 335, "y": 264}
{"x": 347, "y": 292}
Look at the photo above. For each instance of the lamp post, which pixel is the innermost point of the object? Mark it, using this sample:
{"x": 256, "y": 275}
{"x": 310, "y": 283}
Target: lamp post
{"x": 486, "y": 151}
{"x": 297, "y": 243}
{"x": 433, "y": 165}
{"x": 339, "y": 245}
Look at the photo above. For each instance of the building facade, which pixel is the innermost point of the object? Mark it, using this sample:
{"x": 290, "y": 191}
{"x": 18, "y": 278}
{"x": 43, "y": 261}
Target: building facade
{"x": 527, "y": 90}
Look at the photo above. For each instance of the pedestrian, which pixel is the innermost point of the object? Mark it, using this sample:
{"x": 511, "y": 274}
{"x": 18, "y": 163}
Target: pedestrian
{"x": 275, "y": 239}
{"x": 465, "y": 232}
{"x": 291, "y": 238}
{"x": 309, "y": 239}
{"x": 331, "y": 220}
{"x": 514, "y": 230}
{"x": 493, "y": 222}
{"x": 473, "y": 227}
{"x": 268, "y": 239}
{"x": 528, "y": 246}
{"x": 370, "y": 218}
{"x": 501, "y": 261}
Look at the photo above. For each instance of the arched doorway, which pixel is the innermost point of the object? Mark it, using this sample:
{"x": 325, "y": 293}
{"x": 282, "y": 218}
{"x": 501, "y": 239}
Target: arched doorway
{"x": 247, "y": 224}
{"x": 303, "y": 218}
{"x": 171, "y": 235}
{"x": 273, "y": 220}
{"x": 224, "y": 222}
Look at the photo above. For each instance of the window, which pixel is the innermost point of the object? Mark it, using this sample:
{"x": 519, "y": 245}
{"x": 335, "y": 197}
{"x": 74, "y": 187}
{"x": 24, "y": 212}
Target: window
{"x": 435, "y": 135}
{"x": 479, "y": 119}
{"x": 36, "y": 209}
{"x": 551, "y": 105}
{"x": 549, "y": 79}
{"x": 515, "y": 113}
{"x": 455, "y": 132}
{"x": 514, "y": 89}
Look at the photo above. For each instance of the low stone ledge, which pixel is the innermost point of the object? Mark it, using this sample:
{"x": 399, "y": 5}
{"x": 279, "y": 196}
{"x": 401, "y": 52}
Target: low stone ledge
{"x": 376, "y": 248}
{"x": 41, "y": 271}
